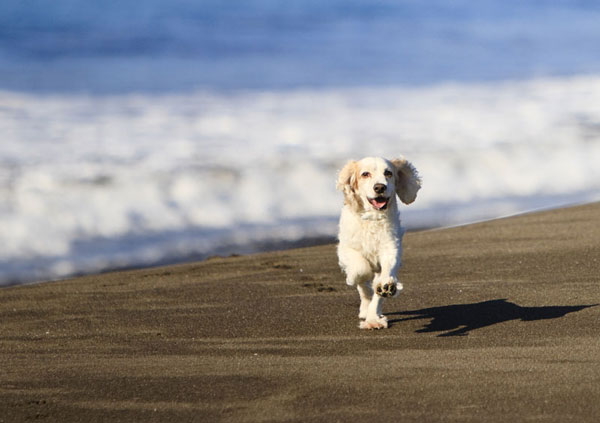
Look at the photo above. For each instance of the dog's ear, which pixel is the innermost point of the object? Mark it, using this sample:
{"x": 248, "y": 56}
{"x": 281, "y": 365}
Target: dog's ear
{"x": 408, "y": 182}
{"x": 348, "y": 184}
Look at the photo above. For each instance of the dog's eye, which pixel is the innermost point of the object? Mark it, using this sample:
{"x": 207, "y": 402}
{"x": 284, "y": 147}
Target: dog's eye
{"x": 388, "y": 174}
{"x": 366, "y": 174}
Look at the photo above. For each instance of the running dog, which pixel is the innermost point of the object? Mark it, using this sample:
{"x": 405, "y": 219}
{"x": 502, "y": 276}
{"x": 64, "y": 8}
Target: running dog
{"x": 370, "y": 235}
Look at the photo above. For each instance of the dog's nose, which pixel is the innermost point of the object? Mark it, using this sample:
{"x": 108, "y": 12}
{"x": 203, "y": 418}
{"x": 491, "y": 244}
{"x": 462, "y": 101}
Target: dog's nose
{"x": 379, "y": 188}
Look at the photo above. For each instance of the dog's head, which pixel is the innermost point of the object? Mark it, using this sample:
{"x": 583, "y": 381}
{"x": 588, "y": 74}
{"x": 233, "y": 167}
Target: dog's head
{"x": 373, "y": 182}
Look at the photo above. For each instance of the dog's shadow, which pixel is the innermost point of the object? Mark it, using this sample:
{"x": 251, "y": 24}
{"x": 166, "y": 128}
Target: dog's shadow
{"x": 460, "y": 319}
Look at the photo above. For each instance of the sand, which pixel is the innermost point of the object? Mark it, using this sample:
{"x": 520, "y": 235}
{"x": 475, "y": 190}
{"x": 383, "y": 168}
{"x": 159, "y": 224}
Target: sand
{"x": 499, "y": 321}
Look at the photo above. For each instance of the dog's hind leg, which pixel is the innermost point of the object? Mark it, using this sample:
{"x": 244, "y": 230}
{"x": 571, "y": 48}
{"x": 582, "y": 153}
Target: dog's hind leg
{"x": 359, "y": 272}
{"x": 374, "y": 319}
{"x": 366, "y": 294}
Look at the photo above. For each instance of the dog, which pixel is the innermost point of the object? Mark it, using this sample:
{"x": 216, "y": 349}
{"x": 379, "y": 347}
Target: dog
{"x": 370, "y": 235}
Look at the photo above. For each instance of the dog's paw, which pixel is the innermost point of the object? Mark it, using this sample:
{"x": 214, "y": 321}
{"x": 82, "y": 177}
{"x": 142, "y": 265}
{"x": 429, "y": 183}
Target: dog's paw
{"x": 380, "y": 322}
{"x": 388, "y": 289}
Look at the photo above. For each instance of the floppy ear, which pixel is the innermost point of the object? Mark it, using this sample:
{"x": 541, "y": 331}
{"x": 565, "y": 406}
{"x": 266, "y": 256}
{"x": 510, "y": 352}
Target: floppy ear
{"x": 347, "y": 183}
{"x": 408, "y": 182}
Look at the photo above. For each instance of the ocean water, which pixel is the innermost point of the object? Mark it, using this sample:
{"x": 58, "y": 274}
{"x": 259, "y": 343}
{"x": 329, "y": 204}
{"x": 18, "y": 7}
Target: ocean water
{"x": 137, "y": 133}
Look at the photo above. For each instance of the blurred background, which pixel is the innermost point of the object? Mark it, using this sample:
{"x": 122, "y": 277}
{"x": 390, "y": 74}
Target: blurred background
{"x": 147, "y": 132}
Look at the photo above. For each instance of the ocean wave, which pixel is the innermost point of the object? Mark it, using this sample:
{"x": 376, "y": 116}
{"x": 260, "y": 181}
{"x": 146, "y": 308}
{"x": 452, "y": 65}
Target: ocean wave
{"x": 93, "y": 182}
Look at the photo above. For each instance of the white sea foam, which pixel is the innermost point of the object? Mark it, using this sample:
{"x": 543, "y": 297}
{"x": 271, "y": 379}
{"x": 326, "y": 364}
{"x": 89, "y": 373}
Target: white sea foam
{"x": 90, "y": 182}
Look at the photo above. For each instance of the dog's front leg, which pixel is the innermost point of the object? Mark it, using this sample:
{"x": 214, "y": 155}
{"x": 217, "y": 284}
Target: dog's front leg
{"x": 385, "y": 285}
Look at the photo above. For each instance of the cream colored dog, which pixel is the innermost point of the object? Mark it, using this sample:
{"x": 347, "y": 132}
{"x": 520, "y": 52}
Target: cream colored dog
{"x": 370, "y": 236}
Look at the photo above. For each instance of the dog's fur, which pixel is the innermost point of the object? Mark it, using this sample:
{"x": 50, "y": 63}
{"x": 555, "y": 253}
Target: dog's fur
{"x": 370, "y": 236}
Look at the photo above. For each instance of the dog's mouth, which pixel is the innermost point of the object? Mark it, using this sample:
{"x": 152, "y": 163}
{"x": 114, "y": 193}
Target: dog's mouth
{"x": 379, "y": 203}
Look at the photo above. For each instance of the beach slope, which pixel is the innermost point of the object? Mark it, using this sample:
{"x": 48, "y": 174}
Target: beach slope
{"x": 498, "y": 321}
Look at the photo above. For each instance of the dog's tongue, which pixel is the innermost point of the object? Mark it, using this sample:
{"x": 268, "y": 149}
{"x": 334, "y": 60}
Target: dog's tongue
{"x": 378, "y": 203}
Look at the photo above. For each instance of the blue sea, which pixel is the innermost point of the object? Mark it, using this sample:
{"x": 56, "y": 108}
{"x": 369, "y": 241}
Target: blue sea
{"x": 179, "y": 45}
{"x": 144, "y": 132}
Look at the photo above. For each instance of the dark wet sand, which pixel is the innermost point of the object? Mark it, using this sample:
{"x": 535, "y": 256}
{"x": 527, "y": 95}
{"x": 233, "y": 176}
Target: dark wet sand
{"x": 498, "y": 322}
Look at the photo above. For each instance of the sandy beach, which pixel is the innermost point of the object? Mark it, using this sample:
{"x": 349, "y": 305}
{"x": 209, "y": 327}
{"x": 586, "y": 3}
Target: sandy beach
{"x": 498, "y": 321}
